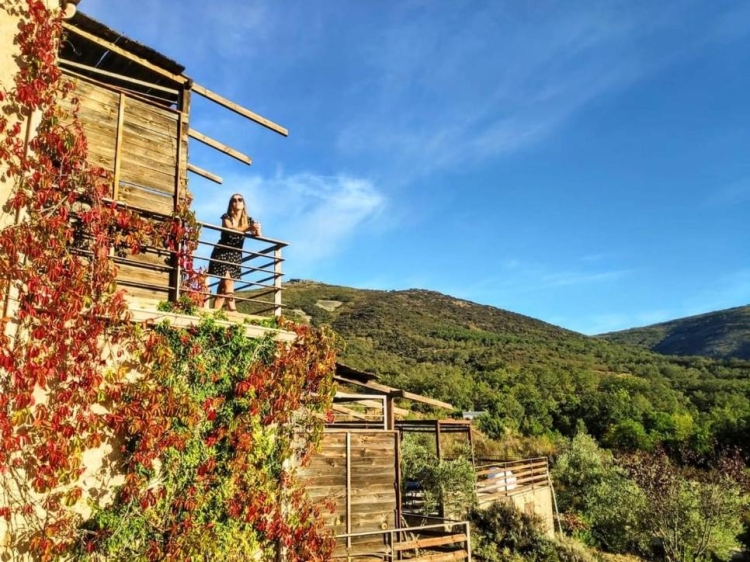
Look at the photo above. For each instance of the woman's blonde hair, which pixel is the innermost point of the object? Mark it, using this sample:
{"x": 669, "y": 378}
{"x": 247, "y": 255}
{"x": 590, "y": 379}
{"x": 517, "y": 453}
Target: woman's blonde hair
{"x": 244, "y": 219}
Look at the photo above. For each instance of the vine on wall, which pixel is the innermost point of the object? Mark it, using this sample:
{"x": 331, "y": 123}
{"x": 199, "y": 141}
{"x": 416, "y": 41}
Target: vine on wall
{"x": 208, "y": 426}
{"x": 212, "y": 450}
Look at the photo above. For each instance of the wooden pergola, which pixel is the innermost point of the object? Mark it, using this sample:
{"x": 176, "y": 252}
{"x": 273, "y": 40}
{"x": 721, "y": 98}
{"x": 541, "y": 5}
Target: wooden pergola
{"x": 368, "y": 381}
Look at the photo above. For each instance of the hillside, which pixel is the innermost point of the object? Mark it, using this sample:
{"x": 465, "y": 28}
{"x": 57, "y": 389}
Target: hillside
{"x": 723, "y": 334}
{"x": 531, "y": 378}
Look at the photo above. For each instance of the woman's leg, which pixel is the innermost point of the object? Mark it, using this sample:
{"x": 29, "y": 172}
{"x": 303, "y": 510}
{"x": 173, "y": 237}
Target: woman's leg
{"x": 229, "y": 284}
{"x": 221, "y": 292}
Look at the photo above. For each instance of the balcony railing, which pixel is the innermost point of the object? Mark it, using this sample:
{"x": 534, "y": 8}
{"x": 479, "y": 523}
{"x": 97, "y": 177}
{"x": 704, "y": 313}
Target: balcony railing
{"x": 260, "y": 271}
{"x": 501, "y": 479}
{"x": 154, "y": 273}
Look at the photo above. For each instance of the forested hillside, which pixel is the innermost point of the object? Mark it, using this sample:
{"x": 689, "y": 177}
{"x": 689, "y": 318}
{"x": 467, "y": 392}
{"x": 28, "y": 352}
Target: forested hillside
{"x": 723, "y": 334}
{"x": 531, "y": 378}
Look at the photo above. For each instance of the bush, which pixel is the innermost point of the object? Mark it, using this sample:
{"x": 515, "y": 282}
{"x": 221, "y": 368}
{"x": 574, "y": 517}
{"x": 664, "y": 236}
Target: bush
{"x": 502, "y": 533}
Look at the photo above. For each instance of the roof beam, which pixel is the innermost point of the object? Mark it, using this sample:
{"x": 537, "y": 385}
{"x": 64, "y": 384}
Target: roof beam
{"x": 117, "y": 76}
{"x": 221, "y": 100}
{"x": 395, "y": 392}
{"x": 206, "y": 174}
{"x": 221, "y": 147}
{"x": 127, "y": 54}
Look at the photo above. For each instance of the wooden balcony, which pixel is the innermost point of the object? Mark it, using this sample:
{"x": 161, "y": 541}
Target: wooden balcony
{"x": 140, "y": 141}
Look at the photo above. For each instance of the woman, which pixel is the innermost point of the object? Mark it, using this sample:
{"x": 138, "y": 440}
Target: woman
{"x": 227, "y": 255}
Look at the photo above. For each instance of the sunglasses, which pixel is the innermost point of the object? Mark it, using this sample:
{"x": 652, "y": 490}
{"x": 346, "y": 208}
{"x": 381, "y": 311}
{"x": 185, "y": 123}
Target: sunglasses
{"x": 239, "y": 199}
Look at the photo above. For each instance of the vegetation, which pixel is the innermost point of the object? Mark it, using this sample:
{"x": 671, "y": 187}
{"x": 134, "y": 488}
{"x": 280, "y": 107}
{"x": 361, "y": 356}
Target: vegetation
{"x": 446, "y": 483}
{"x": 501, "y": 533}
{"x": 531, "y": 378}
{"x": 212, "y": 446}
{"x": 723, "y": 334}
{"x": 648, "y": 504}
{"x": 211, "y": 423}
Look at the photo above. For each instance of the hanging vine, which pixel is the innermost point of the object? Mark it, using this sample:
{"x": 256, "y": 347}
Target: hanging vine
{"x": 208, "y": 425}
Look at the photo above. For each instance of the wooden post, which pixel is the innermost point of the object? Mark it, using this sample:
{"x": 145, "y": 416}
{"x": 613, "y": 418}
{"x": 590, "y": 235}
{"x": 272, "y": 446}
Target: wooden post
{"x": 180, "y": 184}
{"x": 471, "y": 447}
{"x": 390, "y": 413}
{"x": 277, "y": 281}
{"x": 397, "y": 445}
{"x": 348, "y": 490}
{"x": 118, "y": 147}
{"x": 441, "y": 510}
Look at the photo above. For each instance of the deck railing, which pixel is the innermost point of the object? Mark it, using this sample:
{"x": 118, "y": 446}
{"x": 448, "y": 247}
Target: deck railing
{"x": 501, "y": 479}
{"x": 444, "y": 541}
{"x": 154, "y": 273}
{"x": 260, "y": 270}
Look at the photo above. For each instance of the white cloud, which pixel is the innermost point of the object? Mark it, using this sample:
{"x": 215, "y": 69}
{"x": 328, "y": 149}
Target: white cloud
{"x": 566, "y": 278}
{"x": 503, "y": 80}
{"x": 317, "y": 215}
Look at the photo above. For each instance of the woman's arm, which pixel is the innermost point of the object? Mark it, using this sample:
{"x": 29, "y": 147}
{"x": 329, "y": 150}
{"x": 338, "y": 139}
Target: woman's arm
{"x": 253, "y": 227}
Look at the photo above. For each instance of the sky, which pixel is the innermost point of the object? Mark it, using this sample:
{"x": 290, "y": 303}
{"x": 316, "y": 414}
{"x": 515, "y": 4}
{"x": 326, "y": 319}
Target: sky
{"x": 586, "y": 163}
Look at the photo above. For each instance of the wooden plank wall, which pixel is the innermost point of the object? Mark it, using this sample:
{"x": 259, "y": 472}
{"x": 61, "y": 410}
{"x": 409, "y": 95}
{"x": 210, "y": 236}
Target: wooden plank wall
{"x": 137, "y": 142}
{"x": 365, "y": 481}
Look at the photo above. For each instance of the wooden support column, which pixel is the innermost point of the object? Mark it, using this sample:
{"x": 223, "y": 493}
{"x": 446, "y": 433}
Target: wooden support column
{"x": 471, "y": 446}
{"x": 441, "y": 511}
{"x": 180, "y": 184}
{"x": 118, "y": 147}
{"x": 348, "y": 489}
{"x": 397, "y": 449}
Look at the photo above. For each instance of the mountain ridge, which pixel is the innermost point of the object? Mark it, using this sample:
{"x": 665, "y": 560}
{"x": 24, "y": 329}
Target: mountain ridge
{"x": 531, "y": 378}
{"x": 721, "y": 334}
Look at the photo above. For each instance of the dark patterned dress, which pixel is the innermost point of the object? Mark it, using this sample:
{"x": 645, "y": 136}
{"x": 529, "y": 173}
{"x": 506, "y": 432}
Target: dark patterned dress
{"x": 227, "y": 260}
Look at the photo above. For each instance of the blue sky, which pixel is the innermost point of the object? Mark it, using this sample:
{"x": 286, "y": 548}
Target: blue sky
{"x": 584, "y": 163}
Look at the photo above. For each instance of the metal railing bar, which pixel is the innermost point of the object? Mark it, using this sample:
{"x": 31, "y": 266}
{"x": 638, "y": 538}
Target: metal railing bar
{"x": 279, "y": 243}
{"x": 251, "y": 254}
{"x": 243, "y": 267}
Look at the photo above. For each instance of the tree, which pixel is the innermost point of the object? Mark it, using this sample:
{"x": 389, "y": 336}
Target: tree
{"x": 695, "y": 516}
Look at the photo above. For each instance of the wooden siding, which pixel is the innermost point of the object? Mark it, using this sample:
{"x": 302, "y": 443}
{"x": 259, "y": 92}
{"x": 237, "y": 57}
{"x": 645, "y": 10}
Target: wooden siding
{"x": 362, "y": 483}
{"x": 143, "y": 147}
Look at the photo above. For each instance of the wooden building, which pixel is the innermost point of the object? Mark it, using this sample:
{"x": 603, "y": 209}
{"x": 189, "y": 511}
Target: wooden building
{"x": 134, "y": 104}
{"x": 359, "y": 469}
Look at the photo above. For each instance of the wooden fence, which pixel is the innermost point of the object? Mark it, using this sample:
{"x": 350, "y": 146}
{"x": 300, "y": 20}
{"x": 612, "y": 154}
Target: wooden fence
{"x": 497, "y": 480}
{"x": 358, "y": 471}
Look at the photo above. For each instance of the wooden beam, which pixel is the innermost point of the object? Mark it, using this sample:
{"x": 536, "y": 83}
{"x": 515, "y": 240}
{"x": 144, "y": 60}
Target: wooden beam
{"x": 376, "y": 404}
{"x": 208, "y": 175}
{"x": 348, "y": 412}
{"x": 396, "y": 392}
{"x": 221, "y": 147}
{"x": 221, "y": 100}
{"x": 122, "y": 52}
{"x": 122, "y": 77}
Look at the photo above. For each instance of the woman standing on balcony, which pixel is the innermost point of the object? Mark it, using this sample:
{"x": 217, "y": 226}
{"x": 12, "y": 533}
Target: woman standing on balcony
{"x": 227, "y": 255}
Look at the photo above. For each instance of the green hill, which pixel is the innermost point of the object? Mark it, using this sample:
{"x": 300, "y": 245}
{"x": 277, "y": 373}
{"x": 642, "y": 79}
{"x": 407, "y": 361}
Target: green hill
{"x": 532, "y": 378}
{"x": 723, "y": 334}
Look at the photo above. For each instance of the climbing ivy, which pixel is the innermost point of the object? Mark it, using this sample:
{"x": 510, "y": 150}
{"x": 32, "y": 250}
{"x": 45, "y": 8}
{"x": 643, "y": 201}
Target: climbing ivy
{"x": 213, "y": 438}
{"x": 211, "y": 423}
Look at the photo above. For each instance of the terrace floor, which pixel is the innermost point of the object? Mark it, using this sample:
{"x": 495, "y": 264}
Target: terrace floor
{"x": 144, "y": 310}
